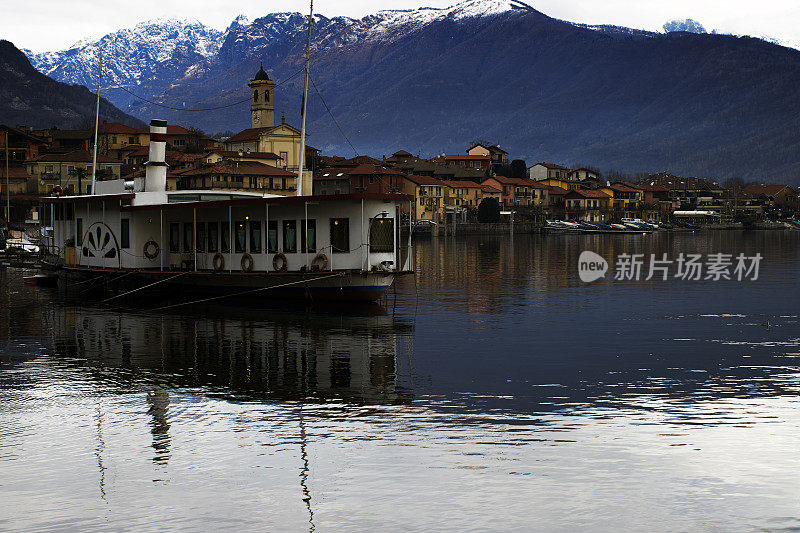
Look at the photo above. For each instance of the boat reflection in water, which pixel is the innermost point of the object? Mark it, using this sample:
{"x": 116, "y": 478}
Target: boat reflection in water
{"x": 248, "y": 354}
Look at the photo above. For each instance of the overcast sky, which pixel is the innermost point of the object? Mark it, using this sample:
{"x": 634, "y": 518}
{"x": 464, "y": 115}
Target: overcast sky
{"x": 56, "y": 24}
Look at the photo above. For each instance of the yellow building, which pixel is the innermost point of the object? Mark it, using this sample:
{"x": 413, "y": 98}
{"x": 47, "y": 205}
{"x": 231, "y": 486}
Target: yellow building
{"x": 625, "y": 201}
{"x": 72, "y": 172}
{"x": 462, "y": 193}
{"x": 566, "y": 184}
{"x": 428, "y": 196}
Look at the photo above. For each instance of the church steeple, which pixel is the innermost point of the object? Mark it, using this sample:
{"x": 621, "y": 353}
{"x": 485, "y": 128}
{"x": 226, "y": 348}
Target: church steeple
{"x": 262, "y": 106}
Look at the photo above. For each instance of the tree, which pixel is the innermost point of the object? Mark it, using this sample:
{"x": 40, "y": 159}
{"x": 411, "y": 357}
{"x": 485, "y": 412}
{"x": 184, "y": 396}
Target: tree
{"x": 518, "y": 169}
{"x": 489, "y": 211}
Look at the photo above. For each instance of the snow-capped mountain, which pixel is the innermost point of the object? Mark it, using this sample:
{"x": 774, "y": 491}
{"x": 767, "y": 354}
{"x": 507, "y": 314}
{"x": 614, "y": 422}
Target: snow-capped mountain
{"x": 430, "y": 80}
{"x": 143, "y": 54}
{"x": 133, "y": 56}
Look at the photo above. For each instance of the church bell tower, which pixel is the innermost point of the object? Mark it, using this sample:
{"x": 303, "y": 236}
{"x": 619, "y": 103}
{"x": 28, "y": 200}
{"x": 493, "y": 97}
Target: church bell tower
{"x": 262, "y": 105}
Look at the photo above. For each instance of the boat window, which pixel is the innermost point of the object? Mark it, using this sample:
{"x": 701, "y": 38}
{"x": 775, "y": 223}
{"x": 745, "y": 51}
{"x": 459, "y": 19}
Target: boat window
{"x": 201, "y": 237}
{"x": 308, "y": 237}
{"x": 213, "y": 237}
{"x": 290, "y": 236}
{"x": 381, "y": 235}
{"x": 225, "y": 234}
{"x": 188, "y": 229}
{"x": 79, "y": 231}
{"x": 125, "y": 233}
{"x": 272, "y": 237}
{"x": 240, "y": 237}
{"x": 174, "y": 237}
{"x": 255, "y": 237}
{"x": 340, "y": 235}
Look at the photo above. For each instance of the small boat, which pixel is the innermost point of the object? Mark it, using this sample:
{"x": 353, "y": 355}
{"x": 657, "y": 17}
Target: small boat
{"x": 41, "y": 280}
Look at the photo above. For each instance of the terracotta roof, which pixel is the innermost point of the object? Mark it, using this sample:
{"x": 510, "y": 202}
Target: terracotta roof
{"x": 177, "y": 130}
{"x": 371, "y": 169}
{"x": 76, "y": 156}
{"x": 490, "y": 189}
{"x": 239, "y": 168}
{"x": 137, "y": 151}
{"x": 117, "y": 128}
{"x": 621, "y": 187}
{"x": 15, "y": 131}
{"x": 519, "y": 182}
{"x": 401, "y": 153}
{"x": 461, "y": 184}
{"x": 767, "y": 190}
{"x": 423, "y": 180}
{"x": 558, "y": 191}
{"x": 588, "y": 193}
{"x": 250, "y": 134}
{"x": 70, "y": 134}
{"x": 14, "y": 172}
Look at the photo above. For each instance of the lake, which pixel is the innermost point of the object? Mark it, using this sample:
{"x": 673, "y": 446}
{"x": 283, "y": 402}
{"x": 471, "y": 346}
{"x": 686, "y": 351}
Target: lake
{"x": 491, "y": 391}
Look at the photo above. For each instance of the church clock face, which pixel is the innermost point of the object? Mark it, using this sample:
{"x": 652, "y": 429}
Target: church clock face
{"x": 256, "y": 117}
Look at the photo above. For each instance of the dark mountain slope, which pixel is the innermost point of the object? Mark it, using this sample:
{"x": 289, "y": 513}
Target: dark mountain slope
{"x": 29, "y": 97}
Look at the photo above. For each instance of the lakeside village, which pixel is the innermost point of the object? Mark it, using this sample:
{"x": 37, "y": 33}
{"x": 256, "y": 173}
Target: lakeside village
{"x": 444, "y": 191}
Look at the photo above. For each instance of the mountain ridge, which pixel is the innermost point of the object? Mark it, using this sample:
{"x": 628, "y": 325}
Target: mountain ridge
{"x": 431, "y": 80}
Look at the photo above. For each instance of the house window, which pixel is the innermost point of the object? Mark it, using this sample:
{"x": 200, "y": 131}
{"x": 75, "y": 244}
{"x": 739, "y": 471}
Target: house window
{"x": 125, "y": 233}
{"x": 308, "y": 237}
{"x": 131, "y": 140}
{"x": 174, "y": 237}
{"x": 114, "y": 139}
{"x": 255, "y": 237}
{"x": 285, "y": 157}
{"x": 272, "y": 237}
{"x": 255, "y": 96}
{"x": 240, "y": 237}
{"x": 213, "y": 237}
{"x": 225, "y": 237}
{"x": 340, "y": 235}
{"x": 188, "y": 229}
{"x": 201, "y": 237}
{"x": 290, "y": 236}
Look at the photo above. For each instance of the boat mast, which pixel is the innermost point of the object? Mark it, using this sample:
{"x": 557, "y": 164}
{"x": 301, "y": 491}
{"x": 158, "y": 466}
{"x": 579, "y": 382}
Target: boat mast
{"x": 96, "y": 120}
{"x": 303, "y": 111}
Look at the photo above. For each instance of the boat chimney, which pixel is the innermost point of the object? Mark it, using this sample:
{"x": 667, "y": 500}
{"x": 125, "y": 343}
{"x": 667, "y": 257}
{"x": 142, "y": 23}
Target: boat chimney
{"x": 156, "y": 174}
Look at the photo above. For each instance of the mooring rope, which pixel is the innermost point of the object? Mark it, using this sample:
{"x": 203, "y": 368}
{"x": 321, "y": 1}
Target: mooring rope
{"x": 245, "y": 292}
{"x": 141, "y": 288}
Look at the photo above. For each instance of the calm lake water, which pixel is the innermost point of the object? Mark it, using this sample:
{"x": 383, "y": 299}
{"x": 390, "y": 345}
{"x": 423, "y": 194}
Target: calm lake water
{"x": 493, "y": 391}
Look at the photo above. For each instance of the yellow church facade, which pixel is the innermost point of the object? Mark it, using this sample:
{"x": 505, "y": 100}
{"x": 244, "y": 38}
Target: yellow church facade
{"x": 264, "y": 136}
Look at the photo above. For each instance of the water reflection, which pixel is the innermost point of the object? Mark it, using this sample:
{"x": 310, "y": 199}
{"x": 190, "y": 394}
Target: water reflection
{"x": 238, "y": 353}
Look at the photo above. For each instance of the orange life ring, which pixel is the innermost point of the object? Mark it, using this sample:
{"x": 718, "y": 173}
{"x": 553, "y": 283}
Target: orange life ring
{"x": 320, "y": 262}
{"x": 218, "y": 262}
{"x": 247, "y": 263}
{"x": 151, "y": 249}
{"x": 283, "y": 266}
{"x": 57, "y": 190}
